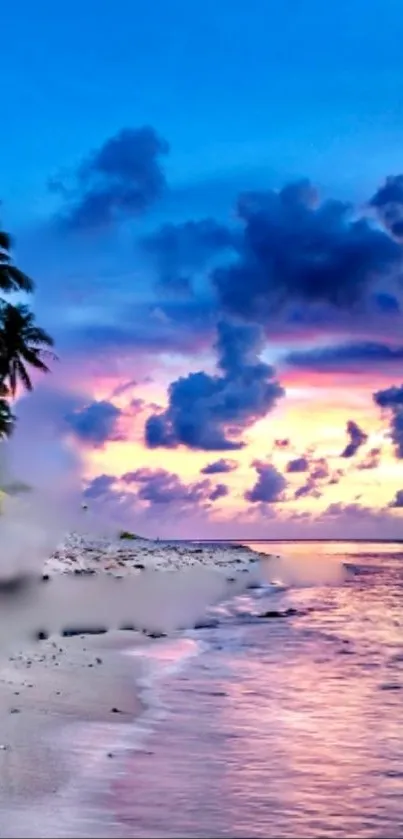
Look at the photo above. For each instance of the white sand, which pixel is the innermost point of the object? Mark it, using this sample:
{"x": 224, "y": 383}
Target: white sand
{"x": 60, "y": 681}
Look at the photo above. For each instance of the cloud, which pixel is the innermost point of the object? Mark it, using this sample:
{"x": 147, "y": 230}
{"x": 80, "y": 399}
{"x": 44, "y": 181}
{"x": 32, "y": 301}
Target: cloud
{"x": 96, "y": 423}
{"x": 308, "y": 488}
{"x": 392, "y": 399}
{"x": 319, "y": 469}
{"x": 219, "y": 491}
{"x": 296, "y": 249}
{"x": 299, "y": 464}
{"x": 353, "y": 357}
{"x": 357, "y": 437}
{"x": 398, "y": 499}
{"x": 119, "y": 180}
{"x": 218, "y": 466}
{"x": 181, "y": 327}
{"x": 207, "y": 412}
{"x": 159, "y": 487}
{"x": 281, "y": 444}
{"x": 371, "y": 460}
{"x": 125, "y": 387}
{"x": 39, "y": 450}
{"x": 388, "y": 203}
{"x": 99, "y": 486}
{"x": 269, "y": 485}
{"x": 178, "y": 250}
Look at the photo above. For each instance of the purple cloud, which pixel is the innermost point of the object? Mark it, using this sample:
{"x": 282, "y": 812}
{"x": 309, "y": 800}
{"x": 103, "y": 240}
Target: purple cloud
{"x": 219, "y": 491}
{"x": 352, "y": 357}
{"x": 398, "y": 499}
{"x": 357, "y": 438}
{"x": 299, "y": 464}
{"x": 117, "y": 181}
{"x": 392, "y": 399}
{"x": 269, "y": 485}
{"x": 178, "y": 250}
{"x": 96, "y": 423}
{"x": 159, "y": 487}
{"x": 99, "y": 486}
{"x": 296, "y": 249}
{"x": 206, "y": 412}
{"x": 218, "y": 466}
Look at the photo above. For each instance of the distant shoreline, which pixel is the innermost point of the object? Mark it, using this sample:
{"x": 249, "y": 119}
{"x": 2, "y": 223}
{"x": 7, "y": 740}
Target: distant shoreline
{"x": 290, "y": 541}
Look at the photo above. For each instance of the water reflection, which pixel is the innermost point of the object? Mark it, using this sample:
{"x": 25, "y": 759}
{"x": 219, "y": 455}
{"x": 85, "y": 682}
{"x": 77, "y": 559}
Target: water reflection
{"x": 283, "y": 727}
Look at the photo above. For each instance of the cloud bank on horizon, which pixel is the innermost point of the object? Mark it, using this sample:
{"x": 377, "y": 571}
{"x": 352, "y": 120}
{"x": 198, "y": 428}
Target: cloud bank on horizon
{"x": 230, "y": 335}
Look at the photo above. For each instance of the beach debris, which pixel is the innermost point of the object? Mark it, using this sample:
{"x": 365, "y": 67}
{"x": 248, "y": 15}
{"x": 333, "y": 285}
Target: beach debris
{"x": 116, "y": 711}
{"x": 70, "y": 631}
{"x": 274, "y": 613}
{"x": 206, "y": 623}
{"x": 15, "y": 711}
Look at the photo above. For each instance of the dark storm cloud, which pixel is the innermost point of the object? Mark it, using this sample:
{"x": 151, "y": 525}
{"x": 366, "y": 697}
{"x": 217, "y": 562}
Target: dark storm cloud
{"x": 178, "y": 250}
{"x": 95, "y": 423}
{"x": 350, "y": 357}
{"x": 398, "y": 499}
{"x": 218, "y": 466}
{"x": 208, "y": 411}
{"x": 157, "y": 487}
{"x": 357, "y": 438}
{"x": 297, "y": 249}
{"x": 120, "y": 179}
{"x": 299, "y": 464}
{"x": 269, "y": 485}
{"x": 99, "y": 486}
{"x": 388, "y": 203}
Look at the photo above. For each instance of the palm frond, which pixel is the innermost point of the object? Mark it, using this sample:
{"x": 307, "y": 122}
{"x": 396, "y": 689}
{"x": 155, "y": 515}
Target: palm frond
{"x": 18, "y": 281}
{"x": 5, "y": 241}
{"x": 7, "y": 419}
{"x": 23, "y": 375}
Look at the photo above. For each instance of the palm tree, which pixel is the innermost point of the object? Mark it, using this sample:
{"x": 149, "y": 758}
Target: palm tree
{"x": 7, "y": 418}
{"x": 22, "y": 345}
{"x": 11, "y": 278}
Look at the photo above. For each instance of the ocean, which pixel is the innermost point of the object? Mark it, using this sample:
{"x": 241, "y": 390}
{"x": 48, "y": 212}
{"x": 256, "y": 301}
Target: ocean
{"x": 289, "y": 725}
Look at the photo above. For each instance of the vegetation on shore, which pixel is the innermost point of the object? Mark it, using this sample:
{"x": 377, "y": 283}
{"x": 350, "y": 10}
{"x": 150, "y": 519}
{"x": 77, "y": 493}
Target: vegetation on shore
{"x": 23, "y": 344}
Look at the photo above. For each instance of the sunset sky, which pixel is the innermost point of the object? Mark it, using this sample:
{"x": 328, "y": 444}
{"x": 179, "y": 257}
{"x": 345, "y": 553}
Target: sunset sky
{"x": 208, "y": 196}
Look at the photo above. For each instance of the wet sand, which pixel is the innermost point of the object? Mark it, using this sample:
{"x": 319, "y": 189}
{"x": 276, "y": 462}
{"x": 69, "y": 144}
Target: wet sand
{"x": 47, "y": 694}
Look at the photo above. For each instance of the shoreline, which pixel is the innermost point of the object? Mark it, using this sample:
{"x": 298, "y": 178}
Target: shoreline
{"x": 67, "y": 702}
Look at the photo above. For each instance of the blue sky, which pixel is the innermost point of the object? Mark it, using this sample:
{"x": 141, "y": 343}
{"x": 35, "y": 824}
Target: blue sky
{"x": 295, "y": 88}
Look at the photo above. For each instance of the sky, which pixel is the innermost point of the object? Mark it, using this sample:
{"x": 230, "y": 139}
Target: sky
{"x": 209, "y": 198}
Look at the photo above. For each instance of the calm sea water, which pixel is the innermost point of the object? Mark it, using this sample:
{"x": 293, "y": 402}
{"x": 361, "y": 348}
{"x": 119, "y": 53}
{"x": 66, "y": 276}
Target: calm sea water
{"x": 283, "y": 727}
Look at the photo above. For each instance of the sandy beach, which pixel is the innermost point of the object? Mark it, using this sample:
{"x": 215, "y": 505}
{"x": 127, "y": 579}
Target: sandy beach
{"x": 64, "y": 700}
